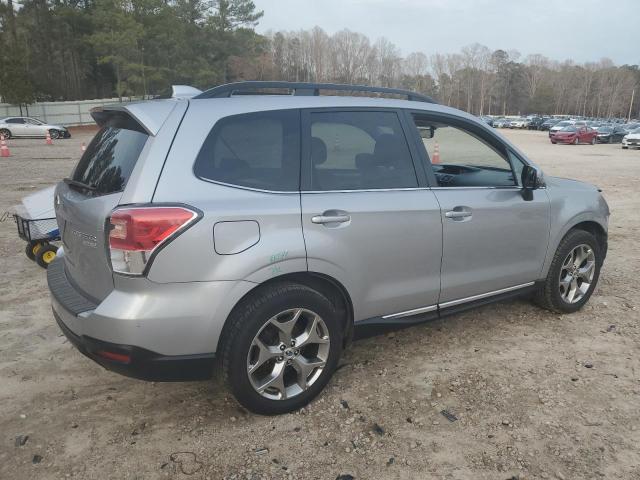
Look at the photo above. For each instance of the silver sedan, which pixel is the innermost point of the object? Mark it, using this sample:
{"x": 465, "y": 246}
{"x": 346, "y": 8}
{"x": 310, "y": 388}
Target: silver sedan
{"x": 13, "y": 127}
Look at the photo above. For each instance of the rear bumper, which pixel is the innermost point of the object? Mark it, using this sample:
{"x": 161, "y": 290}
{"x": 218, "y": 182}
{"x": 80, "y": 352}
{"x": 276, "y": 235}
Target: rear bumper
{"x": 151, "y": 331}
{"x": 136, "y": 362}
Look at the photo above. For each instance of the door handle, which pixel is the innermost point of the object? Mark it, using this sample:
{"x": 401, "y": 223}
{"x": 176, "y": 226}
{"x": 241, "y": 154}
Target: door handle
{"x": 459, "y": 213}
{"x": 322, "y": 219}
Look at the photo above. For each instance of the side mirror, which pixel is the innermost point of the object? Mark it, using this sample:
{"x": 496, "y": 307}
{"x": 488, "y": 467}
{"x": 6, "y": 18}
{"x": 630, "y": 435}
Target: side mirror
{"x": 531, "y": 180}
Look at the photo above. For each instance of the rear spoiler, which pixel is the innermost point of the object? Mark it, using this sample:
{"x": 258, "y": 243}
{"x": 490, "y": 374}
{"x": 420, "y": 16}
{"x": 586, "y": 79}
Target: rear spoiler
{"x": 147, "y": 116}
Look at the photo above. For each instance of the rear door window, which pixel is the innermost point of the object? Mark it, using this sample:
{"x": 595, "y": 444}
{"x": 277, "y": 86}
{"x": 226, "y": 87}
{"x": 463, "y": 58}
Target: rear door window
{"x": 364, "y": 150}
{"x": 257, "y": 150}
{"x": 110, "y": 157}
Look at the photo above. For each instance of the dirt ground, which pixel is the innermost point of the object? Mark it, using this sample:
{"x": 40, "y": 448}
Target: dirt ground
{"x": 536, "y": 395}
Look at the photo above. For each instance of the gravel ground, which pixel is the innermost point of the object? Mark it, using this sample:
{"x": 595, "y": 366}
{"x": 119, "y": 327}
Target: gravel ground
{"x": 533, "y": 394}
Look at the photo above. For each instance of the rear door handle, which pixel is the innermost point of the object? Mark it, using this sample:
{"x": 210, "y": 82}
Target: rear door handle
{"x": 322, "y": 219}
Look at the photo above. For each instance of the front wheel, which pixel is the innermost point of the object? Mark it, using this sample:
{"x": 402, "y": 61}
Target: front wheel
{"x": 575, "y": 142}
{"x": 573, "y": 273}
{"x": 55, "y": 134}
{"x": 593, "y": 141}
{"x": 280, "y": 348}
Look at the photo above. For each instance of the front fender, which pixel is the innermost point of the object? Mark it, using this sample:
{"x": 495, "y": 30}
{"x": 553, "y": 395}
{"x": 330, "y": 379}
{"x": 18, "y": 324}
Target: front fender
{"x": 559, "y": 233}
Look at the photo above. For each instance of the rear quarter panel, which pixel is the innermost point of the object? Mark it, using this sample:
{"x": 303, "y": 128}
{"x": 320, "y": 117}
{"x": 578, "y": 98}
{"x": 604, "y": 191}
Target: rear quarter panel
{"x": 192, "y": 256}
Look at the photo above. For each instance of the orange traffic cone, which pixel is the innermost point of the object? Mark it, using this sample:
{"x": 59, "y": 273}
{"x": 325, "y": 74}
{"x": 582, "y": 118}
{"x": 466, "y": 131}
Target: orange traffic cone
{"x": 436, "y": 154}
{"x": 83, "y": 147}
{"x": 49, "y": 141}
{"x": 4, "y": 150}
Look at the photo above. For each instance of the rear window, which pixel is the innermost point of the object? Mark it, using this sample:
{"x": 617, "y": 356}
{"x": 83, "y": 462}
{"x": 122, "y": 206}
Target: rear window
{"x": 257, "y": 150}
{"x": 107, "y": 163}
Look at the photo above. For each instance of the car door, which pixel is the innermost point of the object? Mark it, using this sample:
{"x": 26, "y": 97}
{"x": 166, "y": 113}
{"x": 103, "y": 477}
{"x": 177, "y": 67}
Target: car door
{"x": 494, "y": 240}
{"x": 35, "y": 128}
{"x": 369, "y": 220}
{"x": 17, "y": 127}
{"x": 583, "y": 135}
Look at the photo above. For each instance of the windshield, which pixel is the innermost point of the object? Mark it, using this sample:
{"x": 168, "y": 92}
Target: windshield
{"x": 568, "y": 128}
{"x": 563, "y": 124}
{"x": 110, "y": 157}
{"x": 605, "y": 129}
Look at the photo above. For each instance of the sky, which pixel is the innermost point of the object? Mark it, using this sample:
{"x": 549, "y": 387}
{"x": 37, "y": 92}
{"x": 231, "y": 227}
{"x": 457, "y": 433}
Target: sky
{"x": 582, "y": 30}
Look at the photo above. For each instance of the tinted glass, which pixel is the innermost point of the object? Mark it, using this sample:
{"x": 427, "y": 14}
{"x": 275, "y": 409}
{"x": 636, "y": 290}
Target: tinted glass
{"x": 258, "y": 150}
{"x": 461, "y": 156}
{"x": 359, "y": 151}
{"x": 15, "y": 120}
{"x": 110, "y": 157}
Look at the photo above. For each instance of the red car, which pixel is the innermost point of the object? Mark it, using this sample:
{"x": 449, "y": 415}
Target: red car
{"x": 574, "y": 135}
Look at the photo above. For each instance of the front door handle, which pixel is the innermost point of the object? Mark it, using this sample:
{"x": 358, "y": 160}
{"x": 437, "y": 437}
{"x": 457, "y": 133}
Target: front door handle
{"x": 322, "y": 219}
{"x": 459, "y": 213}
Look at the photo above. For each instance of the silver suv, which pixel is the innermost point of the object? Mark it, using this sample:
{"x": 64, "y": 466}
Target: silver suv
{"x": 261, "y": 232}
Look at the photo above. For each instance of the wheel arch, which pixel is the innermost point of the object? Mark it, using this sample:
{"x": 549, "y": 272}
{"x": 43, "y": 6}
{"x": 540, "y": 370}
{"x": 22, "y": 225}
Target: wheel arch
{"x": 595, "y": 229}
{"x": 325, "y": 284}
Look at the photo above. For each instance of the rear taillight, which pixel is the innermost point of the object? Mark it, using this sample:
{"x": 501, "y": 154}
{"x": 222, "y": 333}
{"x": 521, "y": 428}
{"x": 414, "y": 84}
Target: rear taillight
{"x": 136, "y": 232}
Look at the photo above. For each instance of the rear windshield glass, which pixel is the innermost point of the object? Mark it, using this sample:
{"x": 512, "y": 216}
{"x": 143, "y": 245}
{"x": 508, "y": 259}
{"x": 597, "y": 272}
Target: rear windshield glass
{"x": 110, "y": 157}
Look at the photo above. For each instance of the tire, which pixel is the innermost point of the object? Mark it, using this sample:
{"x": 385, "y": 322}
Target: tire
{"x": 55, "y": 134}
{"x": 593, "y": 141}
{"x": 575, "y": 142}
{"x": 32, "y": 249}
{"x": 553, "y": 142}
{"x": 255, "y": 317}
{"x": 45, "y": 255}
{"x": 550, "y": 294}
{"x": 5, "y": 133}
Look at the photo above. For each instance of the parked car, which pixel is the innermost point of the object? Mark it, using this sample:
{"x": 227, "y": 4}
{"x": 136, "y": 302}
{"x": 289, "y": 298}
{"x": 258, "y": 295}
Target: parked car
{"x": 13, "y": 127}
{"x": 610, "y": 134}
{"x": 560, "y": 125}
{"x": 535, "y": 123}
{"x": 487, "y": 120}
{"x": 519, "y": 123}
{"x": 263, "y": 230}
{"x": 547, "y": 124}
{"x": 501, "y": 122}
{"x": 630, "y": 126}
{"x": 631, "y": 139}
{"x": 574, "y": 135}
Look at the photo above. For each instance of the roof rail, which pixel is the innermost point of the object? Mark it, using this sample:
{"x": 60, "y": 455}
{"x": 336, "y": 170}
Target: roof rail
{"x": 305, "y": 89}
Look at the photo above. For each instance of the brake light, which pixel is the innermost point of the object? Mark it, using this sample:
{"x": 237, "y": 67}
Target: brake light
{"x": 136, "y": 232}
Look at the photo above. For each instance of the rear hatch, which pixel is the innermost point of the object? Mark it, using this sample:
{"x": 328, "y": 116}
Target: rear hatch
{"x": 85, "y": 200}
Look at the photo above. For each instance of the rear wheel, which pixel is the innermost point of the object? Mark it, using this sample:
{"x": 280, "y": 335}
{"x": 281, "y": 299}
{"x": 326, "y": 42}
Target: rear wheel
{"x": 280, "y": 348}
{"x": 6, "y": 134}
{"x": 45, "y": 255}
{"x": 573, "y": 273}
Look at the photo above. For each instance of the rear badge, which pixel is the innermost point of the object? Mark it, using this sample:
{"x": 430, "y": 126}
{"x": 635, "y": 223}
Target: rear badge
{"x": 86, "y": 239}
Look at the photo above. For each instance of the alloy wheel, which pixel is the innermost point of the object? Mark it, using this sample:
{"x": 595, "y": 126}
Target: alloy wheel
{"x": 288, "y": 354}
{"x": 577, "y": 273}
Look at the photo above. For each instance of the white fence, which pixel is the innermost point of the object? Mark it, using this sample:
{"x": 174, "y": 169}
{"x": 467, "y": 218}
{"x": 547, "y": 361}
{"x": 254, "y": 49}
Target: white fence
{"x": 61, "y": 113}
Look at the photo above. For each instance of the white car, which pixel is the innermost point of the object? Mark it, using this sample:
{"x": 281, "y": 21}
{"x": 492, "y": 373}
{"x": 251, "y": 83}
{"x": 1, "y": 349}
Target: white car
{"x": 631, "y": 139}
{"x": 520, "y": 123}
{"x": 13, "y": 127}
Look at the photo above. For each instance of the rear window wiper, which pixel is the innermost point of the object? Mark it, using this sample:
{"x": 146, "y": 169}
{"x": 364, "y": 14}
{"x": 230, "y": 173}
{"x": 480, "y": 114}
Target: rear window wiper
{"x": 76, "y": 183}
